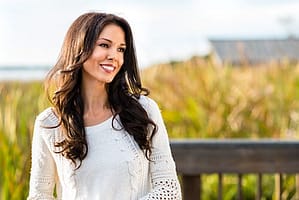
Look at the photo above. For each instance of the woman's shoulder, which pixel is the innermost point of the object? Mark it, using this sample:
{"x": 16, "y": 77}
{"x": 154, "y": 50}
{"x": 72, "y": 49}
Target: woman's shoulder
{"x": 146, "y": 101}
{"x": 149, "y": 104}
{"x": 47, "y": 117}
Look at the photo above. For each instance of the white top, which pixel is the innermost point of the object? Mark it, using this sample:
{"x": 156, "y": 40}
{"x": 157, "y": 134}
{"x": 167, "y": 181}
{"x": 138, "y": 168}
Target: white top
{"x": 115, "y": 167}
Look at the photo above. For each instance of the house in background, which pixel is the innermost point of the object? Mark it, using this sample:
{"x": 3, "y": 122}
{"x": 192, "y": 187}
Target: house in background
{"x": 255, "y": 52}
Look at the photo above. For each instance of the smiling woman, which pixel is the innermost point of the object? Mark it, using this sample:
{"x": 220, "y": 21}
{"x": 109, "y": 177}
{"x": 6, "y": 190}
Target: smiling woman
{"x": 107, "y": 56}
{"x": 103, "y": 138}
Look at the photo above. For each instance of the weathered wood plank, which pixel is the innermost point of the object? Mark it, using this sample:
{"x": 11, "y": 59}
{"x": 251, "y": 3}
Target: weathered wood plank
{"x": 235, "y": 156}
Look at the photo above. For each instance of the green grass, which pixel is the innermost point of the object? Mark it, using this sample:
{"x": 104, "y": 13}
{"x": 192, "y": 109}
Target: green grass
{"x": 19, "y": 105}
{"x": 197, "y": 99}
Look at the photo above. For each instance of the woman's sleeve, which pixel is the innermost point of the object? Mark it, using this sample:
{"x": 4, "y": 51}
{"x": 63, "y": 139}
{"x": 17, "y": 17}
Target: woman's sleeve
{"x": 162, "y": 167}
{"x": 43, "y": 168}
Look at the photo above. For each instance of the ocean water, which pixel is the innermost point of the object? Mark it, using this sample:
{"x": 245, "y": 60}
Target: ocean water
{"x": 22, "y": 74}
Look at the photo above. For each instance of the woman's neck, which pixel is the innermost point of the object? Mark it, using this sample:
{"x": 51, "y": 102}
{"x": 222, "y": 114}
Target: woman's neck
{"x": 96, "y": 105}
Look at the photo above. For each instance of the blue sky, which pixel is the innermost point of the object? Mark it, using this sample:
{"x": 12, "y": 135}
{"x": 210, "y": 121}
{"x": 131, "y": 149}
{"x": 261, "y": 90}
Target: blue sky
{"x": 32, "y": 31}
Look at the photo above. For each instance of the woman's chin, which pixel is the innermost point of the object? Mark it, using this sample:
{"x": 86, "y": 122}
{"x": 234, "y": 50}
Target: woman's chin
{"x": 109, "y": 80}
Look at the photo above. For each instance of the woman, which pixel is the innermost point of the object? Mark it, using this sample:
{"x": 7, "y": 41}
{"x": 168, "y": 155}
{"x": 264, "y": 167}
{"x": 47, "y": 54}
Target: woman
{"x": 103, "y": 138}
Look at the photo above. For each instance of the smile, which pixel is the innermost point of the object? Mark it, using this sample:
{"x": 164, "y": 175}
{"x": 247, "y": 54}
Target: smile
{"x": 107, "y": 68}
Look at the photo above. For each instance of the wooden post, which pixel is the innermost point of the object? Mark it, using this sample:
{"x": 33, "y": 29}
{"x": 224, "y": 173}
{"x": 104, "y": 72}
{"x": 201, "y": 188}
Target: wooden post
{"x": 259, "y": 187}
{"x": 191, "y": 187}
{"x": 240, "y": 193}
{"x": 220, "y": 186}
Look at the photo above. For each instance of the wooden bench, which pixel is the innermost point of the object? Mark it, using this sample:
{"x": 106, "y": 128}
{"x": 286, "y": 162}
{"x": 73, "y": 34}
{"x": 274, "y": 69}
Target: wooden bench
{"x": 234, "y": 156}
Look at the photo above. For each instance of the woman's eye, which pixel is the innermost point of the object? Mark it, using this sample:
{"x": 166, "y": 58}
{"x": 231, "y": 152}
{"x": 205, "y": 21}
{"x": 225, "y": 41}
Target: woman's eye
{"x": 103, "y": 45}
{"x": 121, "y": 49}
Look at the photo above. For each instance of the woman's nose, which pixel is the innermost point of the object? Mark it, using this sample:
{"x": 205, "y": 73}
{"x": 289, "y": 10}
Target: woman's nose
{"x": 112, "y": 54}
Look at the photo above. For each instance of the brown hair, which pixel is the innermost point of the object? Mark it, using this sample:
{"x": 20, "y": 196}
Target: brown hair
{"x": 123, "y": 92}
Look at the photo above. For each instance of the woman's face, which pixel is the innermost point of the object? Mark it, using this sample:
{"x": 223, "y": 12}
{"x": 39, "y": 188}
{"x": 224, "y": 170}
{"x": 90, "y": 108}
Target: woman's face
{"x": 107, "y": 56}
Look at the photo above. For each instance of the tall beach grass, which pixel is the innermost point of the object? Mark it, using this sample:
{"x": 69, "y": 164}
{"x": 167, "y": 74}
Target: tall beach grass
{"x": 199, "y": 100}
{"x": 19, "y": 104}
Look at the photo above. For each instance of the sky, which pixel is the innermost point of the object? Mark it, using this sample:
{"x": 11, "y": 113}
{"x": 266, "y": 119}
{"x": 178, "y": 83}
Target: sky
{"x": 32, "y": 31}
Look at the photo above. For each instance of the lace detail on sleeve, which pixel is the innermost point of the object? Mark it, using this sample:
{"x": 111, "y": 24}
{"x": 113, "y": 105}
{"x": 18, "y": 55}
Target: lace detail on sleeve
{"x": 166, "y": 189}
{"x": 165, "y": 183}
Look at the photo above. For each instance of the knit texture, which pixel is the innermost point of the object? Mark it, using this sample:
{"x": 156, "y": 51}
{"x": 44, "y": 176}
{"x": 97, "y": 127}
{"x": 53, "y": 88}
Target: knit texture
{"x": 115, "y": 167}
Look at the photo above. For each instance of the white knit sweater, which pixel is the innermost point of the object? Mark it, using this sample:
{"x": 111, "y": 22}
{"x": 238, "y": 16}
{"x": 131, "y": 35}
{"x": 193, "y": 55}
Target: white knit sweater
{"x": 115, "y": 167}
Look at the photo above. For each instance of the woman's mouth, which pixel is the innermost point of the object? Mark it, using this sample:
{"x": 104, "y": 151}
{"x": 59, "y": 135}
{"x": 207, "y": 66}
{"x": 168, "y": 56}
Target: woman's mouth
{"x": 107, "y": 68}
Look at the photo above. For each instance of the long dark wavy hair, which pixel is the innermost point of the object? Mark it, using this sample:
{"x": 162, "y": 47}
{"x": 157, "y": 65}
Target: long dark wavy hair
{"x": 63, "y": 86}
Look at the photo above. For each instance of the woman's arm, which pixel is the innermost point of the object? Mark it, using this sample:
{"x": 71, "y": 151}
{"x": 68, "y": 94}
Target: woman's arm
{"x": 162, "y": 167}
{"x": 43, "y": 168}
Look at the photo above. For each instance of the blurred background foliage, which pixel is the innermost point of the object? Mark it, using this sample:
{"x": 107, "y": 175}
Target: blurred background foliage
{"x": 198, "y": 100}
{"x": 20, "y": 102}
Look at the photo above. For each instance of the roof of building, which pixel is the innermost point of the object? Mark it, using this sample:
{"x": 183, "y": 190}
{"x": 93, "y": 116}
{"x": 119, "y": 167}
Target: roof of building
{"x": 256, "y": 51}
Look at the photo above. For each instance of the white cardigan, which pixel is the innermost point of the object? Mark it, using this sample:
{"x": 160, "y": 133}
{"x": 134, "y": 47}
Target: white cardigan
{"x": 115, "y": 167}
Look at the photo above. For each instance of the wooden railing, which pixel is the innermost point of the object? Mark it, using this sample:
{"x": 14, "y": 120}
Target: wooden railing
{"x": 197, "y": 157}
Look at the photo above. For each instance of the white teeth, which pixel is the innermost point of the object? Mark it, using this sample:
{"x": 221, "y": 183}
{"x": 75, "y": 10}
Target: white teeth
{"x": 108, "y": 68}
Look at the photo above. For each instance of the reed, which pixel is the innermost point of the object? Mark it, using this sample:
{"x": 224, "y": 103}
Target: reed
{"x": 199, "y": 100}
{"x": 19, "y": 104}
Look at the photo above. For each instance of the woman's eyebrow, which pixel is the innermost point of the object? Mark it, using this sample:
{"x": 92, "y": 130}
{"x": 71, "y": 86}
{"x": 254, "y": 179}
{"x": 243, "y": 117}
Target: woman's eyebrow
{"x": 122, "y": 44}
